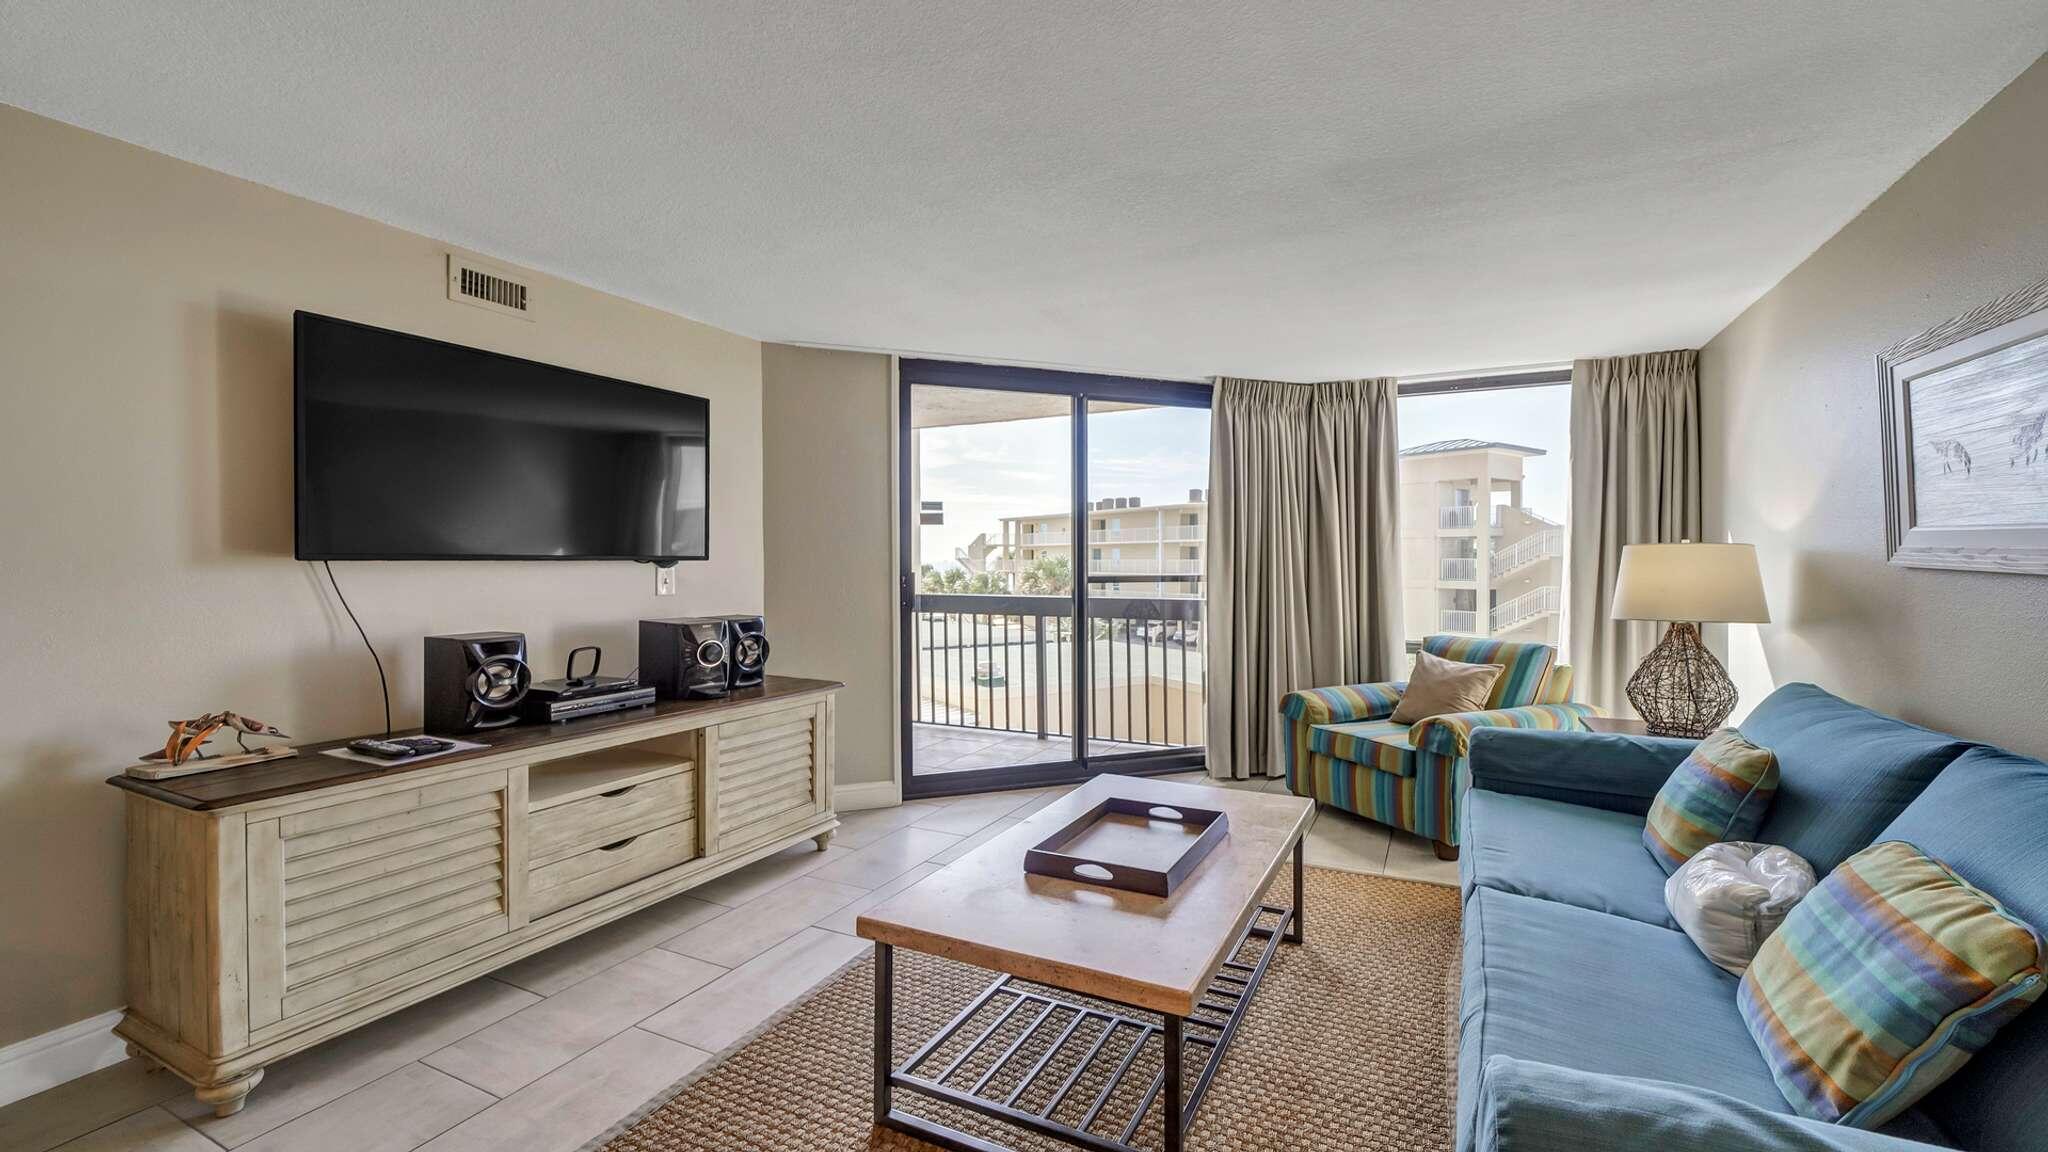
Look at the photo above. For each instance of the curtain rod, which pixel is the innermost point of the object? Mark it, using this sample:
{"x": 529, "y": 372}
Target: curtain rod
{"x": 1492, "y": 381}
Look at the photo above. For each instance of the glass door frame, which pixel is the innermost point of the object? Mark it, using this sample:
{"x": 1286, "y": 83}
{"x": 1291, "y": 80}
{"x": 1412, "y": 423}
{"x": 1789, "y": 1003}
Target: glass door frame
{"x": 1080, "y": 388}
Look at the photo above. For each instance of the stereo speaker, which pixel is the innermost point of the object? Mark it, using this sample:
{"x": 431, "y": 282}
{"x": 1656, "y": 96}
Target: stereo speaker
{"x": 475, "y": 681}
{"x": 685, "y": 659}
{"x": 747, "y": 659}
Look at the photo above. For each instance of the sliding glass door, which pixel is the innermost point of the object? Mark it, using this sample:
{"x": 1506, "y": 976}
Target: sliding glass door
{"x": 1147, "y": 525}
{"x": 1050, "y": 586}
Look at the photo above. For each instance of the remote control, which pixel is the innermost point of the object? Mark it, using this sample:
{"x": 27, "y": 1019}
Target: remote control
{"x": 383, "y": 749}
{"x": 424, "y": 743}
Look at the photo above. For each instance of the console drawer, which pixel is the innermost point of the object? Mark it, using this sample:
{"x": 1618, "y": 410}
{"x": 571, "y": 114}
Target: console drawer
{"x": 573, "y": 879}
{"x": 577, "y": 826}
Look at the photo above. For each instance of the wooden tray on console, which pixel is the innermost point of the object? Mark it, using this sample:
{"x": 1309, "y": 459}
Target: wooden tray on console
{"x": 1134, "y": 845}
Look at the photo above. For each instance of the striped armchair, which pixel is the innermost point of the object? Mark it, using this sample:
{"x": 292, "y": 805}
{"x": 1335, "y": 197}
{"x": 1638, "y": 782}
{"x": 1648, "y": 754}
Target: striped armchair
{"x": 1341, "y": 749}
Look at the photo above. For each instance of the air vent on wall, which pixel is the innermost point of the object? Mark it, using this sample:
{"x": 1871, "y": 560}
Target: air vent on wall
{"x": 471, "y": 281}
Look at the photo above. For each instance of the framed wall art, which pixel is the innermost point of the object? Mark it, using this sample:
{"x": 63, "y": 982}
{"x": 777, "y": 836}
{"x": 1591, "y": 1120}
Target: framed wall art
{"x": 1965, "y": 412}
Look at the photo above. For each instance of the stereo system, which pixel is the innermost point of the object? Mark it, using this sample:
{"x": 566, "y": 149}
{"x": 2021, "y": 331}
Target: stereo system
{"x": 480, "y": 680}
{"x": 687, "y": 659}
{"x": 590, "y": 694}
{"x": 746, "y": 651}
{"x": 474, "y": 681}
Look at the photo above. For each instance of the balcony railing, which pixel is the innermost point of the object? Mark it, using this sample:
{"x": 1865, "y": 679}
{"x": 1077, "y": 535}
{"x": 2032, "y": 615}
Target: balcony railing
{"x": 1123, "y": 535}
{"x": 1525, "y": 607}
{"x": 1457, "y": 620}
{"x": 1045, "y": 536}
{"x": 1006, "y": 664}
{"x": 1182, "y": 532}
{"x": 1527, "y": 550}
{"x": 1144, "y": 567}
{"x": 1457, "y": 568}
{"x": 1457, "y": 516}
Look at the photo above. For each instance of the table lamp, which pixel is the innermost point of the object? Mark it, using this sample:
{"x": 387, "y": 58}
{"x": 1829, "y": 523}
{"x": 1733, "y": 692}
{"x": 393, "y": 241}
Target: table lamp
{"x": 1681, "y": 689}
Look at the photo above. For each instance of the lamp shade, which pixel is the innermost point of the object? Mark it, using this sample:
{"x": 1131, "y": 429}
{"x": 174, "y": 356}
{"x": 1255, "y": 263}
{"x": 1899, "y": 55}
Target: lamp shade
{"x": 1696, "y": 582}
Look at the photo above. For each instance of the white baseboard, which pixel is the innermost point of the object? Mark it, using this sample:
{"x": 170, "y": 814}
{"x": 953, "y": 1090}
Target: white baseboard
{"x": 854, "y": 797}
{"x": 39, "y": 1062}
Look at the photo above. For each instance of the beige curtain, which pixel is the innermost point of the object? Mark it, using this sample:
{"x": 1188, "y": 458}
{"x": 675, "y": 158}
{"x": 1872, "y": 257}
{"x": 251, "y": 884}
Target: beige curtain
{"x": 1303, "y": 559}
{"x": 1635, "y": 480}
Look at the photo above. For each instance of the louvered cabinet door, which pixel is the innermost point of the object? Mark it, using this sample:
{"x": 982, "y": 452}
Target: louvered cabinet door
{"x": 766, "y": 774}
{"x": 351, "y": 895}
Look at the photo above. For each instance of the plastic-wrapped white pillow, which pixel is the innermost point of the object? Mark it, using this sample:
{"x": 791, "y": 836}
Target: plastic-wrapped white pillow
{"x": 1731, "y": 896}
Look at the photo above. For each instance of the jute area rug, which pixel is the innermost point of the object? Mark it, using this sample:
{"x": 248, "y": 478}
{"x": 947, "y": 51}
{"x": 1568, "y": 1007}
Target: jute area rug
{"x": 1346, "y": 1047}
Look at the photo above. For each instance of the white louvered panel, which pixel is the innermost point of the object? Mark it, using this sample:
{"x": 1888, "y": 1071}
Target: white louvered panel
{"x": 384, "y": 884}
{"x": 767, "y": 774}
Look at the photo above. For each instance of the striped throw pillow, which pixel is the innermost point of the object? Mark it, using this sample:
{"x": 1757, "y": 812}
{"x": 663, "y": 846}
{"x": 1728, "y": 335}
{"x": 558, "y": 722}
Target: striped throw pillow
{"x": 1524, "y": 666}
{"x": 1884, "y": 981}
{"x": 1719, "y": 792}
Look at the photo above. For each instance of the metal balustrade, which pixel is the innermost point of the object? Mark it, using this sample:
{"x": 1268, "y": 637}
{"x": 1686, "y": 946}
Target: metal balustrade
{"x": 1006, "y": 664}
{"x": 1525, "y": 607}
{"x": 1537, "y": 546}
{"x": 1144, "y": 566}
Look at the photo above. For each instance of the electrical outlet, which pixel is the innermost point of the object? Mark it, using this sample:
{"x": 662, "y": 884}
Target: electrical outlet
{"x": 664, "y": 580}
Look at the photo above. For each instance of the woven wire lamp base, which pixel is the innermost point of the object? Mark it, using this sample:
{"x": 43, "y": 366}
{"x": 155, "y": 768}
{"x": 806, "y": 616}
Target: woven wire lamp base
{"x": 1681, "y": 689}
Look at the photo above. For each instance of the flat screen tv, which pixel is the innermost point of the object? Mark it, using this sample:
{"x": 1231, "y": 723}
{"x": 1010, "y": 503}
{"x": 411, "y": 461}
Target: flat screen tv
{"x": 413, "y": 449}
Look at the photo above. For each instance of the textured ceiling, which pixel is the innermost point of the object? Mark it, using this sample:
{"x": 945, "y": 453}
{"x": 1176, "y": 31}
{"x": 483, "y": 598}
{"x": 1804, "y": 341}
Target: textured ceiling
{"x": 1295, "y": 189}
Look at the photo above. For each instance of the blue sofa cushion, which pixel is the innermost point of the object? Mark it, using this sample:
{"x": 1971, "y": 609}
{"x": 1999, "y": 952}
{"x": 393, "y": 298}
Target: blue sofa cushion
{"x": 1530, "y": 1107}
{"x": 1568, "y": 986}
{"x": 1844, "y": 772}
{"x": 1586, "y": 857}
{"x": 1986, "y": 817}
{"x": 1591, "y": 769}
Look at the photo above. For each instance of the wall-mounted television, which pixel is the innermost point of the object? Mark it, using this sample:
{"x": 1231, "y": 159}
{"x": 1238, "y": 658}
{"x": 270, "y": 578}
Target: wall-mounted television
{"x": 413, "y": 449}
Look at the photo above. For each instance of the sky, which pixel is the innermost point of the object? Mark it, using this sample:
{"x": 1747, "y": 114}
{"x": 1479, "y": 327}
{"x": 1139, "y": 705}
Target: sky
{"x": 985, "y": 472}
{"x": 1536, "y": 417}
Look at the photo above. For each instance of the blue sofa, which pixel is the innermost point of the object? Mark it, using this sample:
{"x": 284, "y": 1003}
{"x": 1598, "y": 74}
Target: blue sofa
{"x": 1590, "y": 1023}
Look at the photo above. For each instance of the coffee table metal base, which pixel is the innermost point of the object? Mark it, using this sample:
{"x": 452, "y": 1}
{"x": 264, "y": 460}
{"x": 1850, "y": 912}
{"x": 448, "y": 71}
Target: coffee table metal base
{"x": 1120, "y": 1037}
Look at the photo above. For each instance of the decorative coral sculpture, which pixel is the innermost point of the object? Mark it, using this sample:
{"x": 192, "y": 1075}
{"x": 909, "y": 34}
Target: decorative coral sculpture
{"x": 188, "y": 735}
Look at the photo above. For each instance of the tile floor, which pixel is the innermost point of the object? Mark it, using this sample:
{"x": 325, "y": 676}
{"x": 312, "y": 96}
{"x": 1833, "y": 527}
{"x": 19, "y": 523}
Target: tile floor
{"x": 549, "y": 1052}
{"x": 953, "y": 748}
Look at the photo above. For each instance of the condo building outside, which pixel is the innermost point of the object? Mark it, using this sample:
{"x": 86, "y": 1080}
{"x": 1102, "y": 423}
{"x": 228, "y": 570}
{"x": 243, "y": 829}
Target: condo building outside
{"x": 1475, "y": 559}
{"x": 1134, "y": 549}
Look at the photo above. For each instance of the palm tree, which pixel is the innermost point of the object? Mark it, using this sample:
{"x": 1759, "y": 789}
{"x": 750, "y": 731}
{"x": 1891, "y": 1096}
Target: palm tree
{"x": 1048, "y": 576}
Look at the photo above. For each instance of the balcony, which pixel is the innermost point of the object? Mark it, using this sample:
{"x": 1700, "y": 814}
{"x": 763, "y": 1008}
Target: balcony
{"x": 1143, "y": 567}
{"x": 999, "y": 670}
{"x": 1457, "y": 516}
{"x": 1457, "y": 568}
{"x": 1123, "y": 535}
{"x": 1457, "y": 620}
{"x": 1045, "y": 536}
{"x": 1187, "y": 532}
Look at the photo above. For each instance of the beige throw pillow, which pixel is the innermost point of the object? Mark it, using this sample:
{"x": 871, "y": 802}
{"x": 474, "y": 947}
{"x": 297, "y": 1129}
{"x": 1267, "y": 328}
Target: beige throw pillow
{"x": 1439, "y": 686}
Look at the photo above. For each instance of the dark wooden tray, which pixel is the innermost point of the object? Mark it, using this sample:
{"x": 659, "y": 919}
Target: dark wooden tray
{"x": 1130, "y": 844}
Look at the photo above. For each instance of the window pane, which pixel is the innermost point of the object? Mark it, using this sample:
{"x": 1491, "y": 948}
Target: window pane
{"x": 1148, "y": 468}
{"x": 993, "y": 616}
{"x": 1484, "y": 479}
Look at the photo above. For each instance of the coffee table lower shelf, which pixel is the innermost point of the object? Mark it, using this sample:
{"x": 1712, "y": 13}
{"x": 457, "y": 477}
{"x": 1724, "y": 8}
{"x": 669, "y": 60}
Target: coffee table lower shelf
{"x": 1122, "y": 1037}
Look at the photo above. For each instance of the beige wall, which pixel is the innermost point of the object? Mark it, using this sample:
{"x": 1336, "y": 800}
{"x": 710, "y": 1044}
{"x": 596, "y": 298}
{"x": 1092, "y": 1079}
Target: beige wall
{"x": 828, "y": 420}
{"x": 1791, "y": 433}
{"x": 145, "y": 365}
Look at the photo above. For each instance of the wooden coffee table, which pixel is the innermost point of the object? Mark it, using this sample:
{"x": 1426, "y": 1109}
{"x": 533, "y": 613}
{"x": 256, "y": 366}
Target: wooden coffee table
{"x": 1173, "y": 963}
